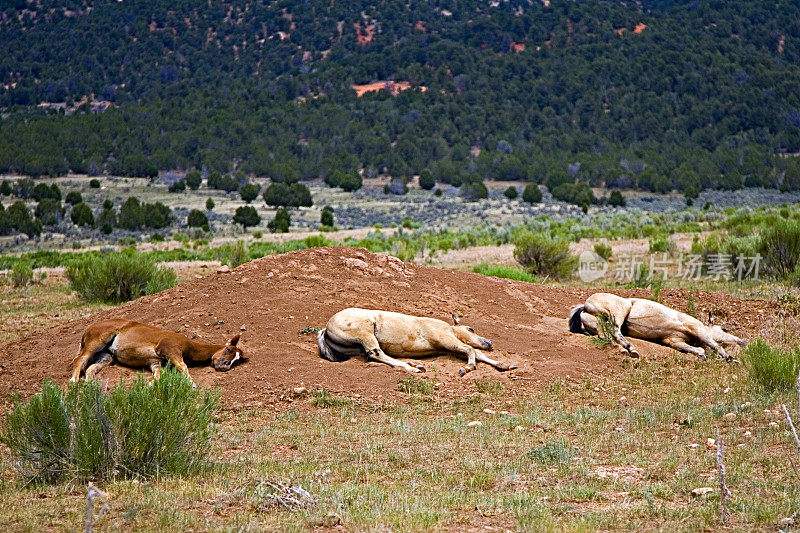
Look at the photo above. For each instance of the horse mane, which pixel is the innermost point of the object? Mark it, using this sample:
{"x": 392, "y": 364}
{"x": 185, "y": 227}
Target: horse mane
{"x": 575, "y": 324}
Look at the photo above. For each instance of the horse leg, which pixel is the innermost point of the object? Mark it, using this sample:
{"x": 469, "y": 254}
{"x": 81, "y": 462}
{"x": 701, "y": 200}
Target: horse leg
{"x": 452, "y": 345}
{"x": 708, "y": 342}
{"x": 683, "y": 347}
{"x": 483, "y": 358}
{"x": 89, "y": 349}
{"x": 99, "y": 365}
{"x": 155, "y": 368}
{"x": 174, "y": 355}
{"x": 374, "y": 352}
{"x": 589, "y": 323}
{"x": 617, "y": 317}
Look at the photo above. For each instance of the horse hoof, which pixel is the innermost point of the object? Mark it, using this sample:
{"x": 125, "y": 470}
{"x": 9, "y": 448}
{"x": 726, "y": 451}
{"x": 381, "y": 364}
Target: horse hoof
{"x": 420, "y": 369}
{"x": 506, "y": 368}
{"x": 634, "y": 354}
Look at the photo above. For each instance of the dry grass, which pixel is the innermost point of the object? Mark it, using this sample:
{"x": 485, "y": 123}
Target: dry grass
{"x": 620, "y": 454}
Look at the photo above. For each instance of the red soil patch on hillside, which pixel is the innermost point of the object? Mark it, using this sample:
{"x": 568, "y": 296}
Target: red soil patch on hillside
{"x": 394, "y": 87}
{"x": 276, "y": 297}
{"x": 364, "y": 35}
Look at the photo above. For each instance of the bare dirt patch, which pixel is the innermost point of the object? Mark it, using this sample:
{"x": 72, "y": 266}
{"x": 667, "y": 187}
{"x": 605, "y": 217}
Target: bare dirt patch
{"x": 275, "y": 298}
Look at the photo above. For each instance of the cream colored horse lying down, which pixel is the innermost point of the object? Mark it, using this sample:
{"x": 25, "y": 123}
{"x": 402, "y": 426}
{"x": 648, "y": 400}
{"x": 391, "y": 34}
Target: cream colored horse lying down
{"x": 650, "y": 321}
{"x": 383, "y": 335}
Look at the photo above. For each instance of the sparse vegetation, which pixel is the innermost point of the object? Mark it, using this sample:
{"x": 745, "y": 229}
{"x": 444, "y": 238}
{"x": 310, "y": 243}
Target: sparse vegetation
{"x": 543, "y": 255}
{"x": 136, "y": 430}
{"x": 771, "y": 369}
{"x": 504, "y": 272}
{"x": 118, "y": 277}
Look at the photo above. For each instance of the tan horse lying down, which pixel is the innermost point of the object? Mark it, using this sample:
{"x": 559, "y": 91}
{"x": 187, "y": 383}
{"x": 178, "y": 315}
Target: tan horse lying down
{"x": 383, "y": 334}
{"x": 651, "y": 321}
{"x": 137, "y": 345}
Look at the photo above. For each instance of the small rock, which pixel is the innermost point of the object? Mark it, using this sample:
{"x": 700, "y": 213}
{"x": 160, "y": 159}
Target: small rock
{"x": 243, "y": 328}
{"x": 729, "y": 416}
{"x": 711, "y": 444}
{"x": 623, "y": 399}
{"x": 747, "y": 434}
{"x": 788, "y": 521}
{"x": 474, "y": 424}
{"x": 747, "y": 405}
{"x": 519, "y": 428}
{"x": 223, "y": 269}
{"x": 701, "y": 491}
{"x": 693, "y": 445}
{"x": 727, "y": 390}
{"x": 596, "y": 389}
{"x": 618, "y": 428}
{"x": 489, "y": 411}
{"x": 297, "y": 391}
{"x": 353, "y": 420}
{"x": 773, "y": 425}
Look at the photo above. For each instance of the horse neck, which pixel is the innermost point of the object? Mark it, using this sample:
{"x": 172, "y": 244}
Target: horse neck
{"x": 200, "y": 351}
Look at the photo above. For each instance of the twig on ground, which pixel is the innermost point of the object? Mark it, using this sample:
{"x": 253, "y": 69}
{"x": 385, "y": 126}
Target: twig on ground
{"x": 91, "y": 493}
{"x": 724, "y": 493}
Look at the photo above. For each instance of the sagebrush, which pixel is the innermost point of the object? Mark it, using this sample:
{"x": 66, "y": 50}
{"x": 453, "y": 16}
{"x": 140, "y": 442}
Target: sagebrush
{"x": 769, "y": 368}
{"x": 138, "y": 430}
{"x": 118, "y": 277}
{"x": 544, "y": 256}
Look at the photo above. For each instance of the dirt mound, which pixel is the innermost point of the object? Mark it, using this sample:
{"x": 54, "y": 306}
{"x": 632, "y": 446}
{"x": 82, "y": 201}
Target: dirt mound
{"x": 277, "y": 299}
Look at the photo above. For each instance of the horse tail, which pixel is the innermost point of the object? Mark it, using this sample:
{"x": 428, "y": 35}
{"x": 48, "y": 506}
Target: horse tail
{"x": 327, "y": 351}
{"x": 575, "y": 324}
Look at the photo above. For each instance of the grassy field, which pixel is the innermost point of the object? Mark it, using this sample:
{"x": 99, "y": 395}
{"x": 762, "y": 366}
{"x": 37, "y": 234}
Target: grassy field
{"x": 583, "y": 454}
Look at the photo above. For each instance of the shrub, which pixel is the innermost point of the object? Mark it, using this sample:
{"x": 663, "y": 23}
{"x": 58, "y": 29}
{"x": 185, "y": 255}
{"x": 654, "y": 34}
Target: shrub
{"x": 49, "y": 211}
{"x": 779, "y": 247}
{"x": 543, "y": 255}
{"x": 118, "y": 277}
{"x": 349, "y": 181}
{"x": 21, "y": 274}
{"x": 662, "y": 243}
{"x": 249, "y": 192}
{"x": 771, "y": 369}
{"x": 233, "y": 254}
{"x": 81, "y": 215}
{"x": 20, "y": 219}
{"x": 94, "y": 184}
{"x": 426, "y": 180}
{"x": 474, "y": 190}
{"x": 504, "y": 272}
{"x": 73, "y": 198}
{"x": 246, "y": 216}
{"x": 294, "y": 195}
{"x": 178, "y": 186}
{"x": 603, "y": 250}
{"x": 281, "y": 222}
{"x": 616, "y": 199}
{"x": 193, "y": 179}
{"x": 532, "y": 194}
{"x": 210, "y": 204}
{"x": 141, "y": 430}
{"x": 553, "y": 452}
{"x": 326, "y": 219}
{"x": 511, "y": 193}
{"x": 5, "y": 188}
{"x": 197, "y": 219}
{"x": 575, "y": 193}
{"x": 157, "y": 237}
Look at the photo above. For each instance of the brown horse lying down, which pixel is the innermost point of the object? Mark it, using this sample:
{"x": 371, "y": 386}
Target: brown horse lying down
{"x": 382, "y": 334}
{"x": 651, "y": 321}
{"x": 137, "y": 345}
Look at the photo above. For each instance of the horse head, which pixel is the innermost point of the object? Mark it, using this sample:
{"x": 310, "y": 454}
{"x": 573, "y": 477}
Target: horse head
{"x": 468, "y": 336}
{"x": 227, "y": 356}
{"x": 723, "y": 337}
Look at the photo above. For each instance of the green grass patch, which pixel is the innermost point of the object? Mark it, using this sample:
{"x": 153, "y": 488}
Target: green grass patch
{"x": 118, "y": 277}
{"x": 414, "y": 385}
{"x": 323, "y": 399}
{"x": 771, "y": 369}
{"x": 553, "y": 452}
{"x": 507, "y": 272}
{"x": 139, "y": 430}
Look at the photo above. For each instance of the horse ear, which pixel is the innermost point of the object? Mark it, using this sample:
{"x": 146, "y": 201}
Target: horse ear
{"x": 710, "y": 319}
{"x": 234, "y": 341}
{"x": 455, "y": 319}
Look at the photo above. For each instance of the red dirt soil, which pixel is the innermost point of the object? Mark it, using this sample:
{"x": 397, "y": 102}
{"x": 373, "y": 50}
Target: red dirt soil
{"x": 276, "y": 297}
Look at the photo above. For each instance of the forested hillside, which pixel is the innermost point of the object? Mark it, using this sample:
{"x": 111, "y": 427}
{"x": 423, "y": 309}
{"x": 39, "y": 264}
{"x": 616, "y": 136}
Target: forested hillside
{"x": 654, "y": 94}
